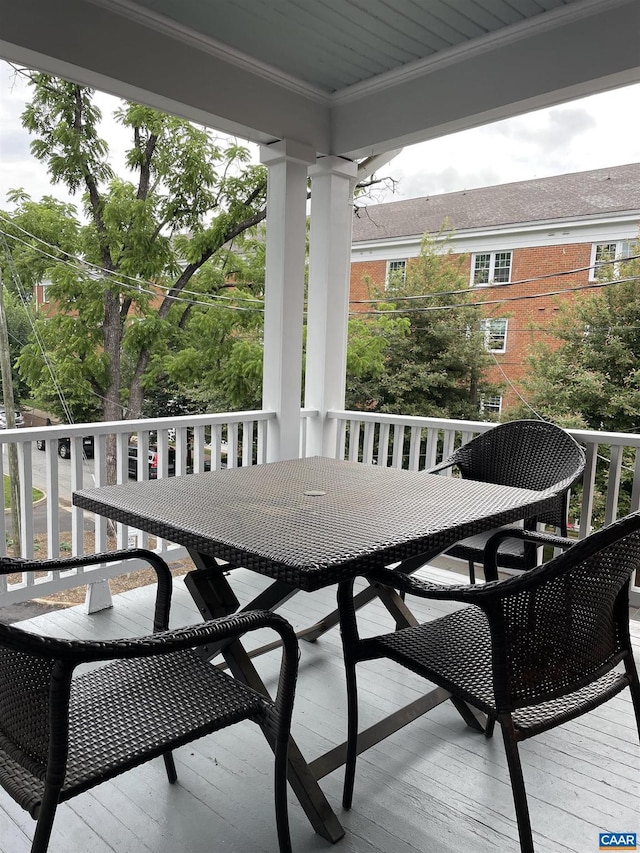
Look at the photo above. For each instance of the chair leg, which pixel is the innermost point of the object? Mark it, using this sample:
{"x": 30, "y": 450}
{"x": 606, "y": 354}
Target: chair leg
{"x": 45, "y": 820}
{"x": 280, "y": 794}
{"x": 170, "y": 767}
{"x": 488, "y": 729}
{"x": 517, "y": 785}
{"x": 352, "y": 735}
{"x": 472, "y": 571}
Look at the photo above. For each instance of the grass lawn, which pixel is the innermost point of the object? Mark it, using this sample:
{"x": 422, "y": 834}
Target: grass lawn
{"x": 37, "y": 494}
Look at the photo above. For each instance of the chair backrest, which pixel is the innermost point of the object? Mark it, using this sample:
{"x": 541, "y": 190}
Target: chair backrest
{"x": 528, "y": 454}
{"x": 25, "y": 686}
{"x": 562, "y": 625}
{"x": 26, "y": 680}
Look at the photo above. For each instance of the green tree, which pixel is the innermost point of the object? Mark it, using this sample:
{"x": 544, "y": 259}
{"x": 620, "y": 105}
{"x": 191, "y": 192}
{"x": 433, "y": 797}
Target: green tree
{"x": 589, "y": 375}
{"x": 139, "y": 283}
{"x": 215, "y": 363}
{"x": 145, "y": 244}
{"x": 19, "y": 324}
{"x": 430, "y": 356}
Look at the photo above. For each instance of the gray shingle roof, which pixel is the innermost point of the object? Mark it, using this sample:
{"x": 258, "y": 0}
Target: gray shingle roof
{"x": 573, "y": 196}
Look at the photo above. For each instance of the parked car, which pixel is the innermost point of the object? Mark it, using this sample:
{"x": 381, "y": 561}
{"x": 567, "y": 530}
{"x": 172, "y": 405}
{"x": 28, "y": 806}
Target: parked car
{"x": 64, "y": 446}
{"x": 152, "y": 462}
{"x": 3, "y": 418}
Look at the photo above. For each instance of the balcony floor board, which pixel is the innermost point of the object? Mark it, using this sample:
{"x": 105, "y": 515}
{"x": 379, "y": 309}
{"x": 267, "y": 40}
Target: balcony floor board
{"x": 433, "y": 785}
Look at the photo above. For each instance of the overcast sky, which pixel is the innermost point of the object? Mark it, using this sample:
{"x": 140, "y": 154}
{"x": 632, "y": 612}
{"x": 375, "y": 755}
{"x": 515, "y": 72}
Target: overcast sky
{"x": 591, "y": 133}
{"x": 596, "y": 132}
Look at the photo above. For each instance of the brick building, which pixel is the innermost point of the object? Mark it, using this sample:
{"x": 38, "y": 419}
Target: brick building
{"x": 532, "y": 238}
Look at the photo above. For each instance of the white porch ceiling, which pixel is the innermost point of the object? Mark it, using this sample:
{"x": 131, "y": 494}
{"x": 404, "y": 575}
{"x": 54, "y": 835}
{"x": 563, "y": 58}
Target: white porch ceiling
{"x": 332, "y": 44}
{"x": 346, "y": 77}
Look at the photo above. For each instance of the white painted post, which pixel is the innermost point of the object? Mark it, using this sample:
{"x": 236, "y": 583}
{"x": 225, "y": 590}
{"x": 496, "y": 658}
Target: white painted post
{"x": 332, "y": 182}
{"x": 287, "y": 162}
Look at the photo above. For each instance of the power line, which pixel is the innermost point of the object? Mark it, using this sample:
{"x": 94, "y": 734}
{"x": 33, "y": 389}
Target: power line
{"x": 515, "y": 389}
{"x": 81, "y": 266}
{"x": 138, "y": 287}
{"x": 152, "y": 287}
{"x": 497, "y": 284}
{"x": 541, "y": 417}
{"x": 18, "y": 284}
{"x": 118, "y": 277}
{"x": 425, "y": 309}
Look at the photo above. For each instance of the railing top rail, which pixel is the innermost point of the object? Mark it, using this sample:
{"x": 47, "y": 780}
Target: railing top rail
{"x": 585, "y": 436}
{"x": 410, "y": 420}
{"x": 107, "y": 427}
{"x": 589, "y": 436}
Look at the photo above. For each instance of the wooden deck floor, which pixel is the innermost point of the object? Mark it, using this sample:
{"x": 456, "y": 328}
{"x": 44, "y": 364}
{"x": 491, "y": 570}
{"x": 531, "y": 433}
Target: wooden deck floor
{"x": 435, "y": 785}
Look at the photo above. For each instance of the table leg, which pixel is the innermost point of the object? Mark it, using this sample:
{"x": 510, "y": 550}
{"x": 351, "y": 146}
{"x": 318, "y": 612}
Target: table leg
{"x": 329, "y": 621}
{"x": 401, "y": 614}
{"x": 215, "y": 598}
{"x": 336, "y": 757}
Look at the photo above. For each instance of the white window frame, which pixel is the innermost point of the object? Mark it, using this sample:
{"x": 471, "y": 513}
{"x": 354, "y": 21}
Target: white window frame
{"x": 491, "y": 403}
{"x": 493, "y": 258}
{"x": 494, "y": 329}
{"x": 621, "y": 249}
{"x": 44, "y": 291}
{"x": 395, "y": 266}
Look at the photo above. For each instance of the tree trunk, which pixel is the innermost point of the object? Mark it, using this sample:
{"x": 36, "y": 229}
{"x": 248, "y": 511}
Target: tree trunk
{"x": 112, "y": 406}
{"x": 136, "y": 394}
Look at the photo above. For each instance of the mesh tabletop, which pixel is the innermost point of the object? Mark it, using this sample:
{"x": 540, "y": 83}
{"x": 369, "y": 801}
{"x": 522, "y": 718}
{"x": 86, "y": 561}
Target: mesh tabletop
{"x": 312, "y": 522}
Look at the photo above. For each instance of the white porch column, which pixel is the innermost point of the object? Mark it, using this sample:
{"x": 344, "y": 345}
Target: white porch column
{"x": 332, "y": 183}
{"x": 287, "y": 164}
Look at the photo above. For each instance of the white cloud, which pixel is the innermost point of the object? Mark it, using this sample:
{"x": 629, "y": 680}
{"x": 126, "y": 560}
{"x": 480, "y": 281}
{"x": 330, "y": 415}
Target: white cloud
{"x": 596, "y": 132}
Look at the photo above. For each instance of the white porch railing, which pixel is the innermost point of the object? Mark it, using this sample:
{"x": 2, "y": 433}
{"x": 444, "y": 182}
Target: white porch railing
{"x": 419, "y": 443}
{"x": 611, "y": 483}
{"x": 186, "y": 444}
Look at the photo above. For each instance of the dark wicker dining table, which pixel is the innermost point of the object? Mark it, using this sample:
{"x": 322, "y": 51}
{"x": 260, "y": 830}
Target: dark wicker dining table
{"x": 307, "y": 524}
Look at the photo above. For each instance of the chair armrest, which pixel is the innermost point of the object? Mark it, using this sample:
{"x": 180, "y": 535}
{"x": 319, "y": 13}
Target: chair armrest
{"x": 487, "y": 596}
{"x": 402, "y": 582}
{"x": 490, "y": 596}
{"x": 492, "y": 545}
{"x": 442, "y": 466}
{"x": 394, "y": 579}
{"x": 70, "y": 653}
{"x": 9, "y": 565}
{"x": 76, "y": 652}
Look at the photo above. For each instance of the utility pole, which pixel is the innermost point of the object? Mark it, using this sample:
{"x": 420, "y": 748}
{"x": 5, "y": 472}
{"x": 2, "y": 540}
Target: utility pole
{"x": 10, "y": 415}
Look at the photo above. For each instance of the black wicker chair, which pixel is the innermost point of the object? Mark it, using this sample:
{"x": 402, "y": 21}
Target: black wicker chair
{"x": 531, "y": 652}
{"x": 63, "y": 732}
{"x": 528, "y": 454}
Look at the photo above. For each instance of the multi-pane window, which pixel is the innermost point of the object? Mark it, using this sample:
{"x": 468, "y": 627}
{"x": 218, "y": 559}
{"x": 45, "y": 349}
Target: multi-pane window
{"x": 502, "y": 267}
{"x": 44, "y": 290}
{"x": 602, "y": 255}
{"x": 491, "y": 404}
{"x": 396, "y": 272}
{"x": 495, "y": 334}
{"x": 491, "y": 267}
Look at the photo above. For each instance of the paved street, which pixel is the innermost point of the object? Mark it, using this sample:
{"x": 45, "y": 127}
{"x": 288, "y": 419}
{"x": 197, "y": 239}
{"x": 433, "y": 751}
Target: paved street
{"x": 39, "y": 474}
{"x": 28, "y": 609}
